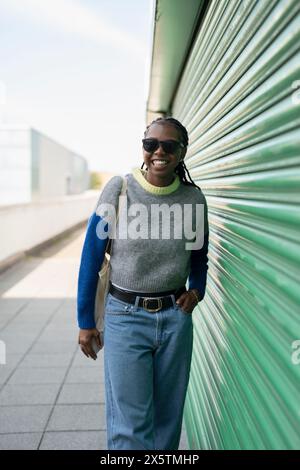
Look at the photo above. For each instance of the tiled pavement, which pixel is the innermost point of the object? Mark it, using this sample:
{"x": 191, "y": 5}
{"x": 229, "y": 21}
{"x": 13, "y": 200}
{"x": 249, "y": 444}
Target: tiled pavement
{"x": 51, "y": 395}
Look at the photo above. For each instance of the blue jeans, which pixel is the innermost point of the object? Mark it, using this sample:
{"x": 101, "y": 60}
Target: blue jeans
{"x": 147, "y": 359}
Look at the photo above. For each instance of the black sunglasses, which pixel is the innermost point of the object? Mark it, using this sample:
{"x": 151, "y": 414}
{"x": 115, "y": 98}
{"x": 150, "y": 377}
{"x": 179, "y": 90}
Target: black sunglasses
{"x": 168, "y": 146}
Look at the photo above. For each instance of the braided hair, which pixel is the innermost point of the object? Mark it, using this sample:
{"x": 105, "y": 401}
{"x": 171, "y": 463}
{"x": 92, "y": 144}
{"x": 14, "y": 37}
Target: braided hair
{"x": 181, "y": 170}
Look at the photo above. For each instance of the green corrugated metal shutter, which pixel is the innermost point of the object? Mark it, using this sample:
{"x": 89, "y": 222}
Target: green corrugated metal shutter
{"x": 238, "y": 99}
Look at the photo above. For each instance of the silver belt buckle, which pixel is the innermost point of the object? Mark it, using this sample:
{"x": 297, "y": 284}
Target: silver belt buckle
{"x": 145, "y": 300}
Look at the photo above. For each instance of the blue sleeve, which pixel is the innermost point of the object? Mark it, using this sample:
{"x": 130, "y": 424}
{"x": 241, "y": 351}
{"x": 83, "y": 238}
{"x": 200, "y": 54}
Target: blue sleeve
{"x": 199, "y": 260}
{"x": 91, "y": 260}
{"x": 199, "y": 267}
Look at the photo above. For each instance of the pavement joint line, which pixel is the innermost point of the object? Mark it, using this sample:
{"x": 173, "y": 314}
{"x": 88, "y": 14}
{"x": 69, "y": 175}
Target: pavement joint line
{"x": 56, "y": 398}
{"x": 34, "y": 405}
{"x": 30, "y": 347}
{"x": 25, "y": 304}
{"x": 18, "y": 432}
{"x": 56, "y": 431}
{"x": 77, "y": 430}
{"x": 22, "y": 307}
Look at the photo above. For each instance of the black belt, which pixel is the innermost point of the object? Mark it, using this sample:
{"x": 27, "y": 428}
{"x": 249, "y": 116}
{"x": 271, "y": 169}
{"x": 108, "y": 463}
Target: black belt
{"x": 152, "y": 302}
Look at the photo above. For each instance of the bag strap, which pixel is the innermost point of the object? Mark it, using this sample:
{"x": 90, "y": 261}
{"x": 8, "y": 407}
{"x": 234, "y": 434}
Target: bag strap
{"x": 122, "y": 193}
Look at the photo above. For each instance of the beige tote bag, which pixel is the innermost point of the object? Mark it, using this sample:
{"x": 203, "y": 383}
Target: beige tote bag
{"x": 103, "y": 283}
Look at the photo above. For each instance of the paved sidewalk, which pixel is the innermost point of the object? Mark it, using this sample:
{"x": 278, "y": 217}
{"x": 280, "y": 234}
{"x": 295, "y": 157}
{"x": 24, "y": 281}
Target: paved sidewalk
{"x": 51, "y": 395}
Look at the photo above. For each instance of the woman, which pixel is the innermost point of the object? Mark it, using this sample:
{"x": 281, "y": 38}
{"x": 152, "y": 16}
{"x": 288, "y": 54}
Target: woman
{"x": 148, "y": 334}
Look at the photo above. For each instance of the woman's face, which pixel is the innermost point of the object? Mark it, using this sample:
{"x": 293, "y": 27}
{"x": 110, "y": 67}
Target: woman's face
{"x": 163, "y": 132}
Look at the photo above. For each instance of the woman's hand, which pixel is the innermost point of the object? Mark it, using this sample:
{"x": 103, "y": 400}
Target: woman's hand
{"x": 188, "y": 300}
{"x": 85, "y": 340}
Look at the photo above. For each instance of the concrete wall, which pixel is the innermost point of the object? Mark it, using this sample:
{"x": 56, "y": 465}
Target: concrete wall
{"x": 23, "y": 226}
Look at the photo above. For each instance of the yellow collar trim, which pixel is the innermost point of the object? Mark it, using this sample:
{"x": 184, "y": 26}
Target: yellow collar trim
{"x": 139, "y": 175}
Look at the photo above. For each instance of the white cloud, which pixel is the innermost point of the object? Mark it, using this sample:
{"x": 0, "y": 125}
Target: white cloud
{"x": 72, "y": 17}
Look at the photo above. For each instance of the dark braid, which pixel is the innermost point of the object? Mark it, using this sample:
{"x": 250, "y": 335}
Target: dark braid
{"x": 181, "y": 170}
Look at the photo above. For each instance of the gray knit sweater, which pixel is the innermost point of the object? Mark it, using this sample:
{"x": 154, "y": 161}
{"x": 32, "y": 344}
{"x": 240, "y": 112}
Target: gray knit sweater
{"x": 151, "y": 265}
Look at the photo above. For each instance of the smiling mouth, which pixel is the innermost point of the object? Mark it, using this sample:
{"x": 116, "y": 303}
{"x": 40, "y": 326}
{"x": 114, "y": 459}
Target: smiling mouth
{"x": 159, "y": 163}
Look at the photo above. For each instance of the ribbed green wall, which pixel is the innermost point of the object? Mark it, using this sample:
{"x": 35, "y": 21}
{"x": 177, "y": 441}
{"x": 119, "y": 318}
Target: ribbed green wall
{"x": 238, "y": 101}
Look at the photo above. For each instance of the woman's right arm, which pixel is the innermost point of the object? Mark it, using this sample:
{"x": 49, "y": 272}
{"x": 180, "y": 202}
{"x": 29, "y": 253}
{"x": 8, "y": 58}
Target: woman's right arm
{"x": 91, "y": 260}
{"x": 92, "y": 257}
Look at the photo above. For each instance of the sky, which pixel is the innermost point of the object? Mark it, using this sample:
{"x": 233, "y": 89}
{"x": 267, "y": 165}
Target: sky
{"x": 78, "y": 72}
